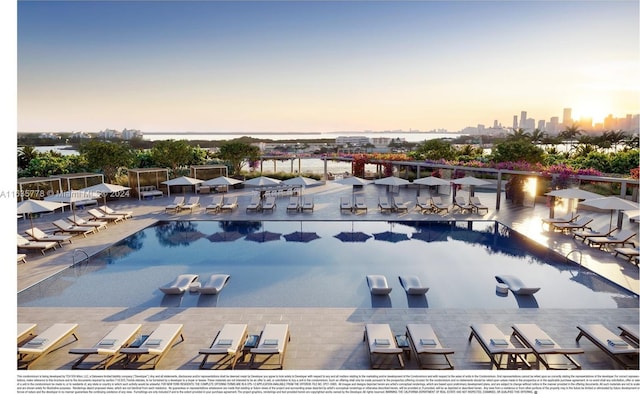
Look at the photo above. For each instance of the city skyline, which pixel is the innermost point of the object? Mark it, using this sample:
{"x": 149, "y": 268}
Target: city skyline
{"x": 321, "y": 66}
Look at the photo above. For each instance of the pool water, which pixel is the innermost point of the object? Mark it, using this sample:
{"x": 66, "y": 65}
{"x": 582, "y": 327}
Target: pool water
{"x": 324, "y": 264}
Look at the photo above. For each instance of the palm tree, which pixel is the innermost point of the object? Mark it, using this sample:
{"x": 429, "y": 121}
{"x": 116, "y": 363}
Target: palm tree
{"x": 570, "y": 133}
{"x": 614, "y": 138}
{"x": 538, "y": 136}
{"x": 25, "y": 154}
{"x": 519, "y": 134}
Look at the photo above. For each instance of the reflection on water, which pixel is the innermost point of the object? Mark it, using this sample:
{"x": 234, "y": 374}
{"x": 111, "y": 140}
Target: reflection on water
{"x": 322, "y": 264}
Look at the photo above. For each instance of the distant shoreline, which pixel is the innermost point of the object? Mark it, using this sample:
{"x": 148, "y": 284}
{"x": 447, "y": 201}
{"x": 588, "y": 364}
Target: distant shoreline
{"x": 297, "y": 132}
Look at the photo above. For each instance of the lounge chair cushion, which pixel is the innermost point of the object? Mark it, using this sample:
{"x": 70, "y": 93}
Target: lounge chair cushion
{"x": 180, "y": 284}
{"x": 515, "y": 285}
{"x": 215, "y": 284}
{"x": 378, "y": 285}
{"x": 412, "y": 285}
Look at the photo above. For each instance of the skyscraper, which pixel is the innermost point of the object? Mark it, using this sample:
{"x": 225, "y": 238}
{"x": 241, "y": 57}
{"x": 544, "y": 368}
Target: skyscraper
{"x": 523, "y": 119}
{"x": 566, "y": 117}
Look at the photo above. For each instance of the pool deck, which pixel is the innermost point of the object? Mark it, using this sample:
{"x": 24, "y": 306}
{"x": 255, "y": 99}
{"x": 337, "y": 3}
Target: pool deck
{"x": 327, "y": 338}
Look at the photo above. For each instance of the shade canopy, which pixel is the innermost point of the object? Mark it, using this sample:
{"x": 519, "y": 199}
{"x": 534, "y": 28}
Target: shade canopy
{"x": 73, "y": 196}
{"x": 105, "y": 188}
{"x": 470, "y": 181}
{"x": 610, "y": 203}
{"x": 221, "y": 181}
{"x": 432, "y": 181}
{"x": 390, "y": 236}
{"x": 225, "y": 236}
{"x": 37, "y": 206}
{"x": 262, "y": 181}
{"x": 352, "y": 181}
{"x": 183, "y": 181}
{"x": 300, "y": 181}
{"x": 263, "y": 236}
{"x": 391, "y": 181}
{"x": 352, "y": 236}
{"x": 574, "y": 193}
{"x": 301, "y": 236}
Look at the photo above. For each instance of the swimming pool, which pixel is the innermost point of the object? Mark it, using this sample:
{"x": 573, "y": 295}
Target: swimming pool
{"x": 324, "y": 264}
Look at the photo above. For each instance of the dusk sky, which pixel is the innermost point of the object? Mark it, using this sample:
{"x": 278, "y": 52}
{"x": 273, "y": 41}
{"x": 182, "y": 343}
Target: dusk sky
{"x": 321, "y": 66}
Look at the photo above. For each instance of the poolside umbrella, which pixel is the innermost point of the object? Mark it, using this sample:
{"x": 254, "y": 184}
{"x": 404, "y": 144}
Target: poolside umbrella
{"x": 72, "y": 197}
{"x": 37, "y": 206}
{"x": 391, "y": 181}
{"x": 571, "y": 193}
{"x": 181, "y": 181}
{"x": 470, "y": 181}
{"x": 352, "y": 236}
{"x": 301, "y": 236}
{"x": 429, "y": 236}
{"x": 353, "y": 181}
{"x": 300, "y": 181}
{"x": 431, "y": 181}
{"x": 105, "y": 188}
{"x": 391, "y": 236}
{"x": 225, "y": 236}
{"x": 221, "y": 181}
{"x": 263, "y": 236}
{"x": 262, "y": 181}
{"x": 611, "y": 203}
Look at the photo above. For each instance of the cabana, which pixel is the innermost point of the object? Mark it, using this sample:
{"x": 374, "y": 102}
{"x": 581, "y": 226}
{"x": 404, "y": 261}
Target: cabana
{"x": 206, "y": 172}
{"x": 79, "y": 180}
{"x": 37, "y": 188}
{"x": 147, "y": 182}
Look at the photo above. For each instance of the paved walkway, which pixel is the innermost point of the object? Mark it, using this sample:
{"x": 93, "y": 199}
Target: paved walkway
{"x": 327, "y": 338}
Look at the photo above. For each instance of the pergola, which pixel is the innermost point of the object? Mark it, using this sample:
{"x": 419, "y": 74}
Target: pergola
{"x": 44, "y": 186}
{"x": 206, "y": 172}
{"x": 80, "y": 180}
{"x": 140, "y": 177}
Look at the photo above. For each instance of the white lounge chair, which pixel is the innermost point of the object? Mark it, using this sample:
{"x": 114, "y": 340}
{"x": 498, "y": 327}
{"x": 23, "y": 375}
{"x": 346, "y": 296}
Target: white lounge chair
{"x": 400, "y": 206}
{"x": 26, "y": 330}
{"x": 423, "y": 203}
{"x": 580, "y": 223}
{"x": 255, "y": 204}
{"x": 99, "y": 215}
{"x": 378, "y": 285}
{"x": 477, "y": 204}
{"x": 603, "y": 231}
{"x": 568, "y": 218}
{"x": 194, "y": 202}
{"x": 425, "y": 345}
{"x": 125, "y": 214}
{"x": 438, "y": 204}
{"x": 24, "y": 243}
{"x": 273, "y": 341}
{"x": 22, "y": 258}
{"x": 615, "y": 346}
{"x": 227, "y": 343}
{"x": 384, "y": 205}
{"x": 621, "y": 238}
{"x": 360, "y": 204}
{"x": 108, "y": 348}
{"x": 294, "y": 203}
{"x": 229, "y": 204}
{"x": 41, "y": 236}
{"x": 215, "y": 284}
{"x": 215, "y": 205}
{"x": 496, "y": 345}
{"x": 412, "y": 285}
{"x": 345, "y": 203}
{"x": 179, "y": 285}
{"x": 381, "y": 345}
{"x": 175, "y": 206}
{"x": 307, "y": 203}
{"x": 78, "y": 221}
{"x": 156, "y": 346}
{"x": 548, "y": 352}
{"x": 629, "y": 253}
{"x": 631, "y": 332}
{"x": 66, "y": 227}
{"x": 269, "y": 203}
{"x": 462, "y": 204}
{"x": 44, "y": 343}
{"x": 515, "y": 285}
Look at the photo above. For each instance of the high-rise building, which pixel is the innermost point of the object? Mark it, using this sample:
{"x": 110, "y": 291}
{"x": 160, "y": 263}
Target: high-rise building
{"x": 515, "y": 122}
{"x": 523, "y": 119}
{"x": 553, "y": 125}
{"x": 566, "y": 117}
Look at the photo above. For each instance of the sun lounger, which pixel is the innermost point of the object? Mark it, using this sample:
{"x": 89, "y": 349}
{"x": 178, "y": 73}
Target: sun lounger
{"x": 515, "y": 285}
{"x": 215, "y": 284}
{"x": 175, "y": 206}
{"x": 613, "y": 345}
{"x": 65, "y": 227}
{"x": 99, "y": 215}
{"x": 496, "y": 345}
{"x": 44, "y": 343}
{"x": 547, "y": 351}
{"x": 228, "y": 343}
{"x": 360, "y": 204}
{"x": 382, "y": 345}
{"x": 255, "y": 204}
{"x": 580, "y": 223}
{"x": 630, "y": 332}
{"x": 273, "y": 341}
{"x": 477, "y": 204}
{"x": 108, "y": 348}
{"x": 194, "y": 202}
{"x": 22, "y": 258}
{"x": 269, "y": 203}
{"x": 621, "y": 238}
{"x": 400, "y": 206}
{"x": 423, "y": 203}
{"x": 345, "y": 203}
{"x": 378, "y": 285}
{"x": 24, "y": 243}
{"x": 125, "y": 214}
{"x": 26, "y": 330}
{"x": 604, "y": 231}
{"x": 78, "y": 221}
{"x": 438, "y": 205}
{"x": 384, "y": 205}
{"x": 568, "y": 218}
{"x": 412, "y": 285}
{"x": 179, "y": 285}
{"x": 629, "y": 253}
{"x": 216, "y": 204}
{"x": 229, "y": 204}
{"x": 156, "y": 346}
{"x": 307, "y": 203}
{"x": 41, "y": 236}
{"x": 462, "y": 204}
{"x": 294, "y": 203}
{"x": 425, "y": 344}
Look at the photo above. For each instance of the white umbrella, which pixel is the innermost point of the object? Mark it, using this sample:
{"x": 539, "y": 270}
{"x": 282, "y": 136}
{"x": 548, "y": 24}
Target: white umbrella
{"x": 36, "y": 206}
{"x": 105, "y": 188}
{"x": 431, "y": 181}
{"x": 181, "y": 181}
{"x": 611, "y": 203}
{"x": 571, "y": 193}
{"x": 300, "y": 181}
{"x": 221, "y": 181}
{"x": 353, "y": 181}
{"x": 470, "y": 181}
{"x": 262, "y": 181}
{"x": 72, "y": 197}
{"x": 391, "y": 181}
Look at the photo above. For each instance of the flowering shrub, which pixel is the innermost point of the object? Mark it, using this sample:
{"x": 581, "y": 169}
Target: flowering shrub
{"x": 635, "y": 173}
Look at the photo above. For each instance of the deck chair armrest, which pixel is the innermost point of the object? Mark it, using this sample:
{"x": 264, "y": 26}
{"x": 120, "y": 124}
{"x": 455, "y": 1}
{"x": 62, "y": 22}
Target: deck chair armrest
{"x": 437, "y": 351}
{"x": 84, "y": 351}
{"x": 386, "y": 351}
{"x": 139, "y": 350}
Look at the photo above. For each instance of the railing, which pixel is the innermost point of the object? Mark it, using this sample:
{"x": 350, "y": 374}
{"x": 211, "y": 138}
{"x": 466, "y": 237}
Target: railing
{"x": 574, "y": 251}
{"x": 81, "y": 251}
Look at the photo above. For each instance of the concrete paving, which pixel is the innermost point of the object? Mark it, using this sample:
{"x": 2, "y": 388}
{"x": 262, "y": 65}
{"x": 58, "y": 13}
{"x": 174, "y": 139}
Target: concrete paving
{"x": 326, "y": 338}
